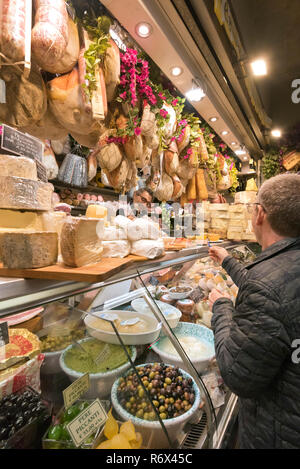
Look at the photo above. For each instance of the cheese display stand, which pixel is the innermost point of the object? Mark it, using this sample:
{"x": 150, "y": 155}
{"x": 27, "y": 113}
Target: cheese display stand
{"x": 138, "y": 346}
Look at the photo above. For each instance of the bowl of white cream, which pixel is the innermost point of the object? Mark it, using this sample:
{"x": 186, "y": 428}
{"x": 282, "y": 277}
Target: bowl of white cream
{"x": 196, "y": 340}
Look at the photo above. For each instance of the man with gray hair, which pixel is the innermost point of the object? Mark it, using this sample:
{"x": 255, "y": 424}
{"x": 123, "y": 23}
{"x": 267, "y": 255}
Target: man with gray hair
{"x": 255, "y": 339}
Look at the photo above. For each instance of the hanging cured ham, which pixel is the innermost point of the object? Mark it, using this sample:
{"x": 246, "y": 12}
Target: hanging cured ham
{"x": 50, "y": 35}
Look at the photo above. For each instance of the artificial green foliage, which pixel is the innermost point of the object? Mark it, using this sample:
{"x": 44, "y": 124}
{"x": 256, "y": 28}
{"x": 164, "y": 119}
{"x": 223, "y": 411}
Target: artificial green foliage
{"x": 98, "y": 32}
{"x": 271, "y": 164}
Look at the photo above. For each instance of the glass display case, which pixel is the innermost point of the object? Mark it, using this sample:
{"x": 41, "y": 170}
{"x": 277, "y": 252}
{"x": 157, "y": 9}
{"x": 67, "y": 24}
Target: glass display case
{"x": 143, "y": 338}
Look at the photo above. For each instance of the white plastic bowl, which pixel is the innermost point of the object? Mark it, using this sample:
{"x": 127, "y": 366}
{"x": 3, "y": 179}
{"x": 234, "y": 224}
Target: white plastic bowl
{"x": 135, "y": 338}
{"x": 100, "y": 383}
{"x": 179, "y": 296}
{"x": 202, "y": 333}
{"x": 152, "y": 430}
{"x": 140, "y": 305}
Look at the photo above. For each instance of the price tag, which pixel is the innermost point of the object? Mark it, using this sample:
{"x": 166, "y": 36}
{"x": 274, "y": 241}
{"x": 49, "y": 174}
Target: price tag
{"x": 87, "y": 422}
{"x": 4, "y": 336}
{"x": 17, "y": 143}
{"x": 73, "y": 392}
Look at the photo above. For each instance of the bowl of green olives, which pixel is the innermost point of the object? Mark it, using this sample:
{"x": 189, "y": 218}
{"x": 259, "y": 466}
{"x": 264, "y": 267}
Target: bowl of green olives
{"x": 174, "y": 395}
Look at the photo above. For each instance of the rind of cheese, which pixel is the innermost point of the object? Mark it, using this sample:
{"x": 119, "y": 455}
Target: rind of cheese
{"x": 18, "y": 166}
{"x": 23, "y": 250}
{"x": 80, "y": 244}
{"x": 20, "y": 193}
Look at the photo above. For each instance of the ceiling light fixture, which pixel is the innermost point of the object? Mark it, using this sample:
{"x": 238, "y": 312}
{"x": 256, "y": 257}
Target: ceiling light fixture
{"x": 259, "y": 67}
{"x": 196, "y": 93}
{"x": 241, "y": 151}
{"x": 143, "y": 30}
{"x": 233, "y": 143}
{"x": 276, "y": 133}
{"x": 176, "y": 71}
{"x": 213, "y": 119}
{"x": 225, "y": 132}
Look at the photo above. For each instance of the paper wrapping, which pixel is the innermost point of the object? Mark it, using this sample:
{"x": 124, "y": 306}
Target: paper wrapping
{"x": 22, "y": 345}
{"x": 17, "y": 377}
{"x": 148, "y": 248}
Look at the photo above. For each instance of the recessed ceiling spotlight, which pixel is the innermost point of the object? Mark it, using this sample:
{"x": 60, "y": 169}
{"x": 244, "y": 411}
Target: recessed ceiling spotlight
{"x": 176, "y": 71}
{"x": 233, "y": 143}
{"x": 213, "y": 119}
{"x": 143, "y": 30}
{"x": 259, "y": 67}
{"x": 195, "y": 94}
{"x": 245, "y": 158}
{"x": 225, "y": 132}
{"x": 240, "y": 152}
{"x": 276, "y": 133}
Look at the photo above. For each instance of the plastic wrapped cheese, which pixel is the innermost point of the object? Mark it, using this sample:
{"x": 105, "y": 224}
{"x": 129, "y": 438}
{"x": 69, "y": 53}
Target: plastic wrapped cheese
{"x": 116, "y": 248}
{"x": 80, "y": 243}
{"x": 148, "y": 248}
{"x": 114, "y": 233}
{"x": 18, "y": 166}
{"x": 26, "y": 194}
{"x": 142, "y": 228}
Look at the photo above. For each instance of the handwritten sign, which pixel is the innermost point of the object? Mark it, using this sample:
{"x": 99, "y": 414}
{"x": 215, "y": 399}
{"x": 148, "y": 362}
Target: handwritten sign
{"x": 73, "y": 392}
{"x": 4, "y": 336}
{"x": 17, "y": 143}
{"x": 87, "y": 422}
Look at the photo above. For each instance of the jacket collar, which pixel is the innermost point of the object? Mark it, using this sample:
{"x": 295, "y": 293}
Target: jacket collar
{"x": 282, "y": 245}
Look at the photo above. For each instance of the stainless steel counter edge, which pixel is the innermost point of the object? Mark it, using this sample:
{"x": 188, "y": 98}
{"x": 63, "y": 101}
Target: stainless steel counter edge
{"x": 21, "y": 294}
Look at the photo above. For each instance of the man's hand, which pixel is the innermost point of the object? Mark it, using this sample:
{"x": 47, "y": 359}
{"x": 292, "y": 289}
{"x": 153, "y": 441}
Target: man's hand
{"x": 218, "y": 254}
{"x": 216, "y": 295}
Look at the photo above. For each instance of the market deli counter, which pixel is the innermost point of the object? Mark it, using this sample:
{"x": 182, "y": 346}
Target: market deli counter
{"x": 125, "y": 364}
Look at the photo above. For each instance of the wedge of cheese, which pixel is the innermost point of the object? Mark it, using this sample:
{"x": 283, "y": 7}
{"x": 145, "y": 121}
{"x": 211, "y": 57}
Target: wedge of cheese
{"x": 27, "y": 194}
{"x": 80, "y": 243}
{"x": 96, "y": 211}
{"x": 23, "y": 250}
{"x": 18, "y": 166}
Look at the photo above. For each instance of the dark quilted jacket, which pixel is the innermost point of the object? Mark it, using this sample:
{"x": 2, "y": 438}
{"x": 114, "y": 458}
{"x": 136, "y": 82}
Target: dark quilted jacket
{"x": 254, "y": 350}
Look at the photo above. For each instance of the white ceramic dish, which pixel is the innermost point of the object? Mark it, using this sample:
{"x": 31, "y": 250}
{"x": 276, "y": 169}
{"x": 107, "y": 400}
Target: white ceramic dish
{"x": 179, "y": 296}
{"x": 171, "y": 313}
{"x": 153, "y": 429}
{"x": 184, "y": 329}
{"x": 135, "y": 338}
{"x": 100, "y": 383}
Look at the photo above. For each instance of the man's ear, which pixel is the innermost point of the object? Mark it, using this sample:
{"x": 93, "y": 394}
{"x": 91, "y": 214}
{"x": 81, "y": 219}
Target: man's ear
{"x": 261, "y": 215}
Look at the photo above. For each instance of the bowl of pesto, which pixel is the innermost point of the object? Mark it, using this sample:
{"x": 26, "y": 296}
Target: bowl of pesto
{"x": 102, "y": 361}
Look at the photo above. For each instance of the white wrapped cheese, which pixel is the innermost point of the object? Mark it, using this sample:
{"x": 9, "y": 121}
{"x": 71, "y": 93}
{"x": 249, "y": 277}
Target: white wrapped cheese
{"x": 80, "y": 243}
{"x": 142, "y": 228}
{"x": 116, "y": 248}
{"x": 123, "y": 222}
{"x": 112, "y": 233}
{"x": 148, "y": 248}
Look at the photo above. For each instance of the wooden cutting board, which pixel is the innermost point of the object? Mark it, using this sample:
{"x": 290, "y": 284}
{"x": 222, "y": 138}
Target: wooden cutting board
{"x": 91, "y": 273}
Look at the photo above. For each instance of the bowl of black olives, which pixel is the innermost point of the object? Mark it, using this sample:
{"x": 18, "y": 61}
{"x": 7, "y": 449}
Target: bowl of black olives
{"x": 174, "y": 399}
{"x": 23, "y": 417}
